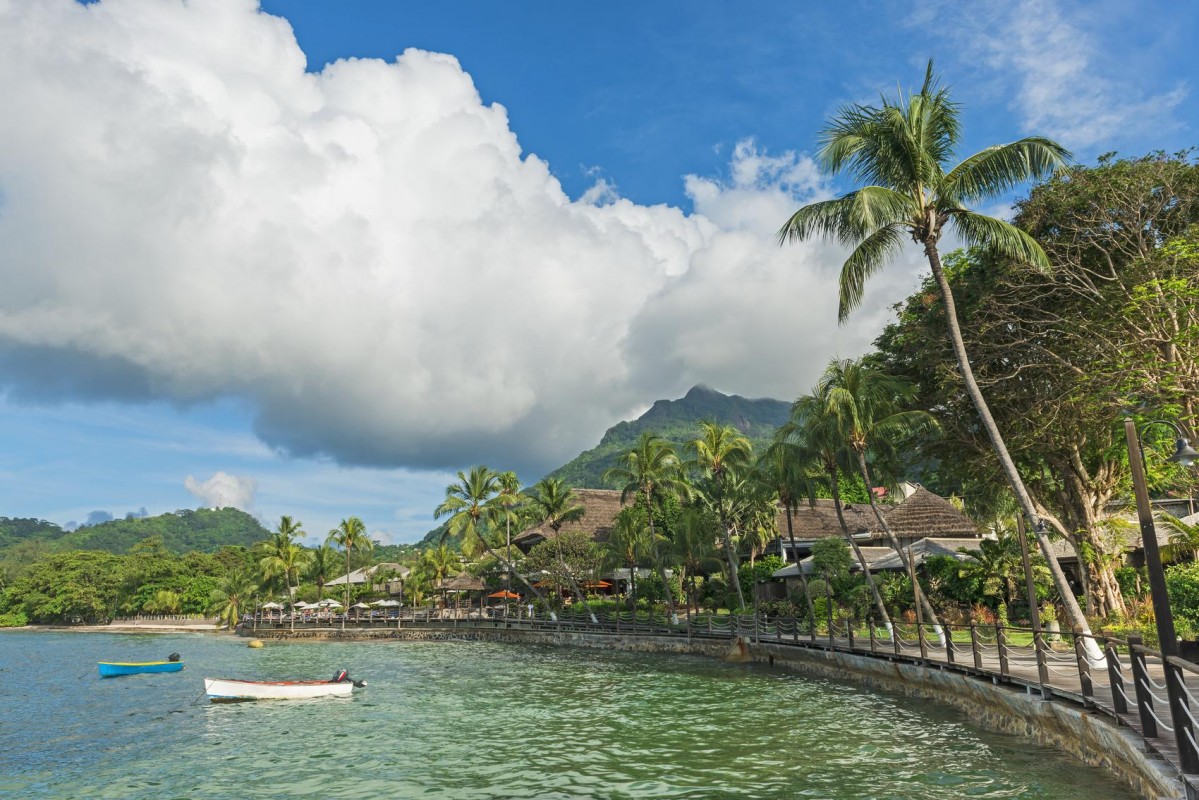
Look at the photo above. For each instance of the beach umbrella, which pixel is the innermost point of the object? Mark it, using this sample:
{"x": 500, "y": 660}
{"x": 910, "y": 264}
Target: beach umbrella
{"x": 271, "y": 606}
{"x": 360, "y": 605}
{"x": 386, "y": 603}
{"x": 503, "y": 594}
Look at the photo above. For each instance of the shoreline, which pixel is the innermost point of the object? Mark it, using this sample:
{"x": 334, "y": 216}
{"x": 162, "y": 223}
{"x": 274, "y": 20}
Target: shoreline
{"x": 124, "y": 628}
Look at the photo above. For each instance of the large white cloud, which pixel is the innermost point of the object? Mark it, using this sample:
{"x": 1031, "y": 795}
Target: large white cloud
{"x": 222, "y": 490}
{"x": 364, "y": 254}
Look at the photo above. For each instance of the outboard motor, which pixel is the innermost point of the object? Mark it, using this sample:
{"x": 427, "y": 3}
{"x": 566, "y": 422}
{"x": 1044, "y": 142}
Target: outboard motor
{"x": 173, "y": 657}
{"x": 340, "y": 677}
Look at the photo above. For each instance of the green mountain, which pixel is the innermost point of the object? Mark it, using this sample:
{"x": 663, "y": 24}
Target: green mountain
{"x": 184, "y": 531}
{"x": 676, "y": 421}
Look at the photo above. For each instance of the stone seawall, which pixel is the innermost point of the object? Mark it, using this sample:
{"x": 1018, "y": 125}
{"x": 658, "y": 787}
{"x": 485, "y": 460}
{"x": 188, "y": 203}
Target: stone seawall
{"x": 1090, "y": 737}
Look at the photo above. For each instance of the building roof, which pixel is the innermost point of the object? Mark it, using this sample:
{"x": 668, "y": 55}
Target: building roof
{"x": 462, "y": 582}
{"x": 871, "y": 554}
{"x": 819, "y": 519}
{"x": 924, "y": 514}
{"x": 360, "y": 576}
{"x": 924, "y": 549}
{"x": 601, "y": 507}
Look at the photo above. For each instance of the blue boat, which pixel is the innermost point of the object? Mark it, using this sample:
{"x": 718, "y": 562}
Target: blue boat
{"x": 113, "y": 669}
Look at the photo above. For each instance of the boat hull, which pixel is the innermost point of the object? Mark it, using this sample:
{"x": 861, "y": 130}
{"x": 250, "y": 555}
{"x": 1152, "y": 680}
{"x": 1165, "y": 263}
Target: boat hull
{"x": 115, "y": 669}
{"x": 222, "y": 690}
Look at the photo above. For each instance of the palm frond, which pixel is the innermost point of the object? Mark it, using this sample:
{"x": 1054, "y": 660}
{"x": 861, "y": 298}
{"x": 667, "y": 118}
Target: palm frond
{"x": 1003, "y": 166}
{"x": 871, "y": 255}
{"x": 1000, "y": 237}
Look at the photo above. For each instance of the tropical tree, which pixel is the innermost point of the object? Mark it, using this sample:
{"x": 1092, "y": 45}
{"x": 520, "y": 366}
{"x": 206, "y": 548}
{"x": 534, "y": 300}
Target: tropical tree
{"x": 232, "y": 598}
{"x": 717, "y": 454}
{"x": 650, "y": 471}
{"x": 793, "y": 474}
{"x": 1184, "y": 536}
{"x": 817, "y": 434}
{"x": 553, "y": 503}
{"x": 280, "y": 557}
{"x": 693, "y": 548}
{"x": 322, "y": 568}
{"x": 998, "y": 564}
{"x": 865, "y": 403}
{"x": 350, "y": 535}
{"x": 902, "y": 150}
{"x": 440, "y": 563}
{"x": 505, "y": 508}
{"x": 628, "y": 544}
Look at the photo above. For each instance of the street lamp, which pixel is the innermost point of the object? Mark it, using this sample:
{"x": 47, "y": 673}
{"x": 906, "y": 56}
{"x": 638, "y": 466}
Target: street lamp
{"x": 1167, "y": 638}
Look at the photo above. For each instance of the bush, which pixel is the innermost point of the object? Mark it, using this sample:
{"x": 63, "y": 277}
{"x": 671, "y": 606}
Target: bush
{"x": 13, "y": 619}
{"x": 1182, "y": 583}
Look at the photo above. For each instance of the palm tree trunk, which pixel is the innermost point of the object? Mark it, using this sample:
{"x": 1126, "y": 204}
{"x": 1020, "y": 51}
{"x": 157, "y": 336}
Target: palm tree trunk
{"x": 508, "y": 566}
{"x": 732, "y": 559}
{"x": 803, "y": 579}
{"x": 835, "y": 483}
{"x": 917, "y": 590}
{"x": 1077, "y": 618}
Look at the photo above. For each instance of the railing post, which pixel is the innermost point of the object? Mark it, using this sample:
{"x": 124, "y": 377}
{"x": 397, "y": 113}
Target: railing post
{"x": 1084, "y": 666}
{"x": 894, "y": 636}
{"x": 849, "y": 630}
{"x": 921, "y": 641}
{"x": 1184, "y": 729}
{"x": 778, "y": 629}
{"x": 1001, "y": 646}
{"x": 1039, "y": 646}
{"x": 1115, "y": 677}
{"x": 978, "y": 656}
{"x": 948, "y": 632}
{"x": 870, "y": 625}
{"x": 1140, "y": 682}
{"x": 795, "y": 633}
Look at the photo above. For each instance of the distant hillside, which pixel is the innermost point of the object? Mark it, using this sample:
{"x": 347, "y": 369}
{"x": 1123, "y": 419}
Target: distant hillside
{"x": 205, "y": 530}
{"x": 676, "y": 421}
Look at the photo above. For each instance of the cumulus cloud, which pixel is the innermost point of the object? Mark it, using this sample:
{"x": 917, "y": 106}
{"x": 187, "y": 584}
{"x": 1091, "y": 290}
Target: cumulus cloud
{"x": 365, "y": 255}
{"x": 223, "y": 490}
{"x": 1069, "y": 87}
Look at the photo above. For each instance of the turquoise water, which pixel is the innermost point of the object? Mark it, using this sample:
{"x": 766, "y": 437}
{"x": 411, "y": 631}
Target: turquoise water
{"x": 470, "y": 720}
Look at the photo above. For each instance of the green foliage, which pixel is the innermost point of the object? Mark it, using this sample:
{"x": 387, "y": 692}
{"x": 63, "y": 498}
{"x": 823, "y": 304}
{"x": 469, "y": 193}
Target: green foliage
{"x": 13, "y": 619}
{"x": 68, "y": 588}
{"x": 1182, "y": 583}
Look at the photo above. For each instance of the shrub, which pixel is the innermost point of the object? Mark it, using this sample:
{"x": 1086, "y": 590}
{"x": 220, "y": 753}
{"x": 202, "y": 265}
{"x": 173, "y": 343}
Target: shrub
{"x": 1182, "y": 583}
{"x": 13, "y": 619}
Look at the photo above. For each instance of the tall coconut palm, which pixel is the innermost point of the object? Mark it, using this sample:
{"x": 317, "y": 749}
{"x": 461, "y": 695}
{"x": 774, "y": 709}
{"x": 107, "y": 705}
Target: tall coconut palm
{"x": 865, "y": 403}
{"x": 553, "y": 503}
{"x": 440, "y": 563}
{"x": 693, "y": 548}
{"x": 1184, "y": 536}
{"x": 471, "y": 504}
{"x": 505, "y": 507}
{"x": 322, "y": 568}
{"x": 628, "y": 544}
{"x": 350, "y": 535}
{"x": 650, "y": 470}
{"x": 790, "y": 474}
{"x": 902, "y": 150}
{"x": 817, "y": 434}
{"x": 281, "y": 557}
{"x": 717, "y": 453}
{"x": 232, "y": 597}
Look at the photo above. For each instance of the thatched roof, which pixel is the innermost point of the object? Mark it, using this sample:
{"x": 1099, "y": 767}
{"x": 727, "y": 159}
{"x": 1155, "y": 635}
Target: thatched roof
{"x": 925, "y": 514}
{"x": 602, "y": 506}
{"x": 810, "y": 522}
{"x": 462, "y": 582}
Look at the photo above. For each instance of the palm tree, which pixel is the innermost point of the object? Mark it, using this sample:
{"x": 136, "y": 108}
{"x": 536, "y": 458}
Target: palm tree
{"x": 628, "y": 543}
{"x": 719, "y": 451}
{"x": 997, "y": 563}
{"x": 440, "y": 562}
{"x": 232, "y": 597}
{"x": 349, "y": 535}
{"x": 553, "y": 503}
{"x": 322, "y": 565}
{"x": 789, "y": 472}
{"x": 282, "y": 557}
{"x": 902, "y": 150}
{"x": 472, "y": 502}
{"x": 818, "y": 436}
{"x": 864, "y": 402}
{"x": 650, "y": 471}
{"x": 693, "y": 548}
{"x": 505, "y": 506}
{"x": 1184, "y": 537}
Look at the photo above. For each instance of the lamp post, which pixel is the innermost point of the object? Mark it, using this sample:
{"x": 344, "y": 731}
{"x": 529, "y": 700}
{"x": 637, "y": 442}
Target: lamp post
{"x": 1167, "y": 638}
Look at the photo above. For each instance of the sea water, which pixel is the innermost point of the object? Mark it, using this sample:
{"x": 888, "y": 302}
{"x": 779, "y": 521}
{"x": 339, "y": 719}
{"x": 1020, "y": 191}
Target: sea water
{"x": 468, "y": 720}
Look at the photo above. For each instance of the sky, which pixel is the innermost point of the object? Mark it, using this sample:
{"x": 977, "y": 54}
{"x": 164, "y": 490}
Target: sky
{"x": 312, "y": 258}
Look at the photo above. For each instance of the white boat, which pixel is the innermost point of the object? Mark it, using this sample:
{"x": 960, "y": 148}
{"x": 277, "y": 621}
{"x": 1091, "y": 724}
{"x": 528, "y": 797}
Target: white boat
{"x": 224, "y": 689}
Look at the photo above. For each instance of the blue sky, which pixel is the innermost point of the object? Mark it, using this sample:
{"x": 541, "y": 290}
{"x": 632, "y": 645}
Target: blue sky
{"x": 318, "y": 293}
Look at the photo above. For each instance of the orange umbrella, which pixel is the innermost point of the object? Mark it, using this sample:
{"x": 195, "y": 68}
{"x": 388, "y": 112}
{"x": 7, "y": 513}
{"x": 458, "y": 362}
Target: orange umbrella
{"x": 597, "y": 585}
{"x": 504, "y": 594}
